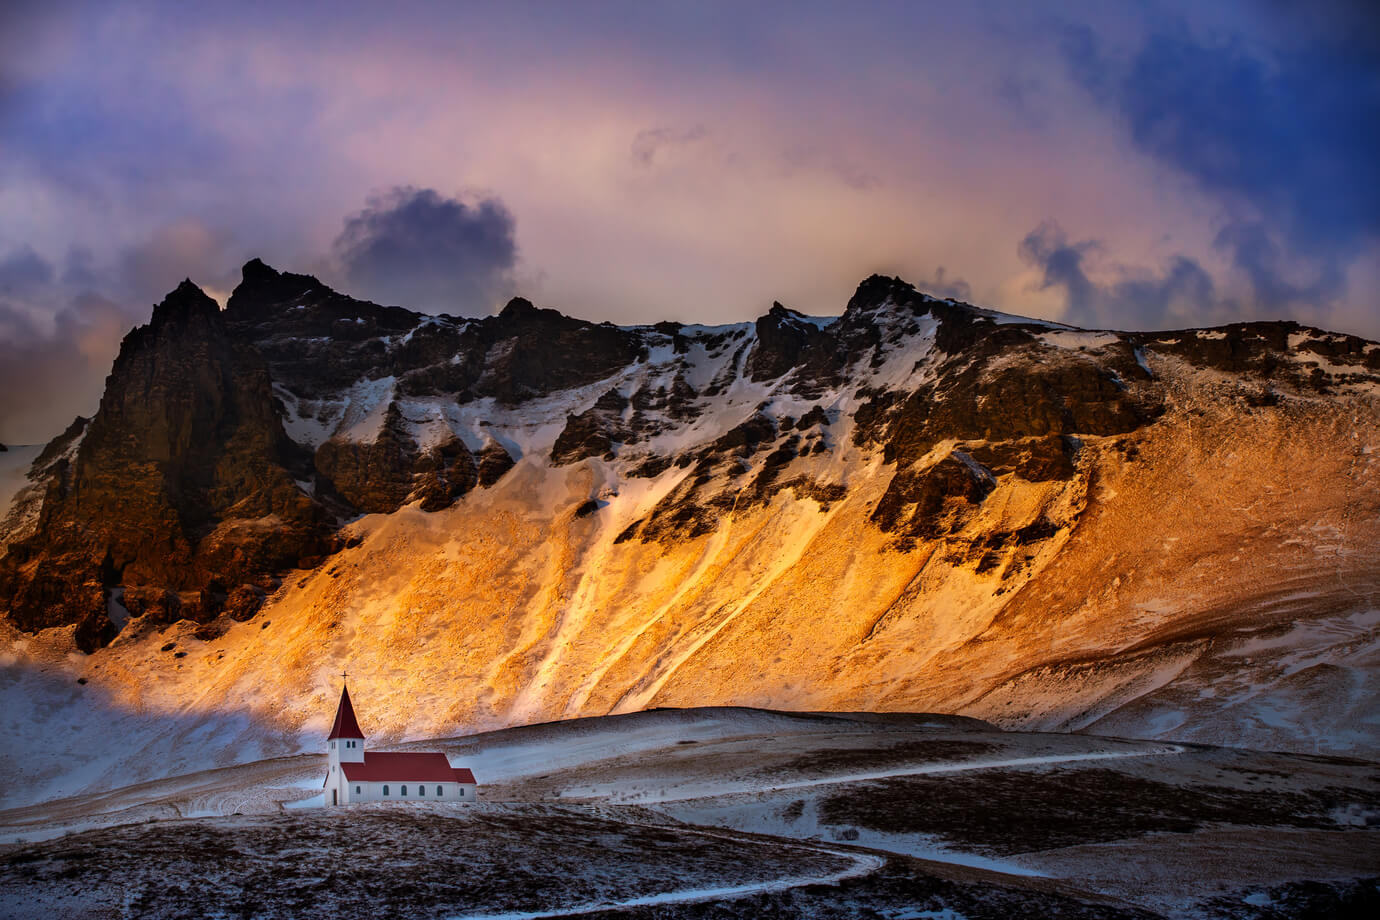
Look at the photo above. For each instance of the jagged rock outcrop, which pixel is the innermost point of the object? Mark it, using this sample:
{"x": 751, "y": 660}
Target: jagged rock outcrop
{"x": 183, "y": 482}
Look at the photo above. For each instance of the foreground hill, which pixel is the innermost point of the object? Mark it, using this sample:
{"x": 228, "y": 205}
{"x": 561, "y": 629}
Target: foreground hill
{"x": 916, "y": 505}
{"x": 748, "y": 813}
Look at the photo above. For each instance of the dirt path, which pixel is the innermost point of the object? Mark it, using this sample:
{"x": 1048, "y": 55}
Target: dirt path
{"x": 862, "y": 864}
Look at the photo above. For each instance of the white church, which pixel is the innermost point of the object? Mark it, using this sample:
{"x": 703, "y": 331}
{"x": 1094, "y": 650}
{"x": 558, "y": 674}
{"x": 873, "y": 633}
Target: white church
{"x": 355, "y": 775}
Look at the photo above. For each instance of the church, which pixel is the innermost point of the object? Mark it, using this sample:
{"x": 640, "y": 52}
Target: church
{"x": 355, "y": 775}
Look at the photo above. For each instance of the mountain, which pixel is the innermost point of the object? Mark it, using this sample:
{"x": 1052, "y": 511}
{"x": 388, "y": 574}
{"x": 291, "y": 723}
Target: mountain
{"x": 916, "y": 505}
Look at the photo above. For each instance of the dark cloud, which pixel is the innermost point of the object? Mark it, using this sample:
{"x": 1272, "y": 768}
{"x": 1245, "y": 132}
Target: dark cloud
{"x": 53, "y": 365}
{"x": 23, "y": 270}
{"x": 944, "y": 287}
{"x": 1286, "y": 145}
{"x": 60, "y": 331}
{"x": 653, "y": 141}
{"x": 1182, "y": 294}
{"x": 415, "y": 247}
{"x": 1048, "y": 248}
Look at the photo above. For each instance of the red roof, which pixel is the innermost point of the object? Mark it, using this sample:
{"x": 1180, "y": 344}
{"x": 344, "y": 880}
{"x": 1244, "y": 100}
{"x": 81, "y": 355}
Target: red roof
{"x": 402, "y": 767}
{"x": 345, "y": 725}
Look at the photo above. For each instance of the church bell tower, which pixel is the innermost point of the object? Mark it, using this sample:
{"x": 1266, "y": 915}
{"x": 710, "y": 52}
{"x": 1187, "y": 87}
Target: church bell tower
{"x": 345, "y": 744}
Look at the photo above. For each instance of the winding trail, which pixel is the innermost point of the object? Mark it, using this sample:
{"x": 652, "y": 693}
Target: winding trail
{"x": 863, "y": 864}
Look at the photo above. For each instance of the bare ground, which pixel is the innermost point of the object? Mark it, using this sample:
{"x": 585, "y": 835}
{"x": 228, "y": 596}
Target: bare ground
{"x": 689, "y": 814}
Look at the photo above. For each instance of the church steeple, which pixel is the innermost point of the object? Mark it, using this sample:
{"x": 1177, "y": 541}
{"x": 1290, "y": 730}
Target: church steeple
{"x": 345, "y": 724}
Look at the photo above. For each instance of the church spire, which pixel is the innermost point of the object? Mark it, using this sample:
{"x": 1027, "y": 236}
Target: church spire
{"x": 345, "y": 724}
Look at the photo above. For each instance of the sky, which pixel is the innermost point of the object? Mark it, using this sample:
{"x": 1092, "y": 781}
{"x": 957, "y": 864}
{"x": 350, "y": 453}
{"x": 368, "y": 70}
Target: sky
{"x": 1138, "y": 165}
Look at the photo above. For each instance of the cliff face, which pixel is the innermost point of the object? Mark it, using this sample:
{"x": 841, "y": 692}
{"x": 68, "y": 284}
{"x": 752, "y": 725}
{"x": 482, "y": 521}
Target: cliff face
{"x": 918, "y": 504}
{"x": 181, "y": 492}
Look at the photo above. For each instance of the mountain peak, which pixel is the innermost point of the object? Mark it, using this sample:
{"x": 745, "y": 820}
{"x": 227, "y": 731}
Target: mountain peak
{"x": 257, "y": 271}
{"x": 182, "y": 303}
{"x": 518, "y": 307}
{"x": 878, "y": 289}
{"x": 263, "y": 287}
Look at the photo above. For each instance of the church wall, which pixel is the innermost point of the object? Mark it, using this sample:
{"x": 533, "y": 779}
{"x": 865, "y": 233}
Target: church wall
{"x": 373, "y": 792}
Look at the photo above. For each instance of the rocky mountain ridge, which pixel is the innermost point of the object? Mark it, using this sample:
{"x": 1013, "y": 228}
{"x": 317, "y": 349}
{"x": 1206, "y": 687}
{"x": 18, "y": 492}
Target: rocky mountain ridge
{"x": 917, "y": 504}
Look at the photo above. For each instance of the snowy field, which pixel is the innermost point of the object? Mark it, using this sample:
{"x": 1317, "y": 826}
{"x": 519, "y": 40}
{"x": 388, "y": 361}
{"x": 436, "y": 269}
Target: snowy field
{"x": 729, "y": 812}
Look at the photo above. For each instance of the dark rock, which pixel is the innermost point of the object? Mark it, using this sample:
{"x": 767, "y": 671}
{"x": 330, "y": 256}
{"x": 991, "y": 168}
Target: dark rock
{"x": 1262, "y": 350}
{"x": 763, "y": 485}
{"x": 1033, "y": 459}
{"x": 494, "y": 462}
{"x": 651, "y": 468}
{"x": 244, "y": 602}
{"x": 931, "y": 501}
{"x": 782, "y": 336}
{"x": 593, "y": 432}
{"x": 746, "y": 437}
{"x": 185, "y": 450}
{"x": 375, "y": 477}
{"x": 815, "y": 416}
{"x": 208, "y": 632}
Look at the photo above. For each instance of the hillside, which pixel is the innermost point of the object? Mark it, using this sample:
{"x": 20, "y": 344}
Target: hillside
{"x": 918, "y": 505}
{"x": 750, "y": 814}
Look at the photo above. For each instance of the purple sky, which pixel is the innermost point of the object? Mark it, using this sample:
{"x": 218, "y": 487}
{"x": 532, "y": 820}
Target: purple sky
{"x": 1127, "y": 165}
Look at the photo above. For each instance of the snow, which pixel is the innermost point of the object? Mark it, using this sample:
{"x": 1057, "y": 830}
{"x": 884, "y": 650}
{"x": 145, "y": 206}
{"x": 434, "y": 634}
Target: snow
{"x": 1008, "y": 319}
{"x": 115, "y": 608}
{"x": 366, "y": 404}
{"x": 819, "y": 322}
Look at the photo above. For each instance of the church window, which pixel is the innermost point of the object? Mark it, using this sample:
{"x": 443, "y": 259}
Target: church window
{"x": 421, "y": 790}
{"x": 404, "y": 791}
{"x": 358, "y": 791}
{"x": 439, "y": 791}
{"x": 462, "y": 792}
{"x": 385, "y": 790}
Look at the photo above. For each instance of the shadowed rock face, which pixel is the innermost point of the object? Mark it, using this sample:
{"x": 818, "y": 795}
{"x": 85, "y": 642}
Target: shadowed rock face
{"x": 230, "y": 446}
{"x": 183, "y": 482}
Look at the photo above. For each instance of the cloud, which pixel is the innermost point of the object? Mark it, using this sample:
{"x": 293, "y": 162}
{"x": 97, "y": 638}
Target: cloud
{"x": 1181, "y": 294}
{"x": 53, "y": 363}
{"x": 944, "y": 287}
{"x": 60, "y": 331}
{"x": 653, "y": 141}
{"x": 23, "y": 270}
{"x": 182, "y": 249}
{"x": 1286, "y": 145}
{"x": 429, "y": 252}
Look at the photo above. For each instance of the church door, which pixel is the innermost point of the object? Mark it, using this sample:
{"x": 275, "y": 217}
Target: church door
{"x": 334, "y": 794}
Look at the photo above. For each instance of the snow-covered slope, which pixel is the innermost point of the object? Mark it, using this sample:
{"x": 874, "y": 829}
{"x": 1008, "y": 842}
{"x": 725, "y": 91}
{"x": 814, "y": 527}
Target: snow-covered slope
{"x": 915, "y": 506}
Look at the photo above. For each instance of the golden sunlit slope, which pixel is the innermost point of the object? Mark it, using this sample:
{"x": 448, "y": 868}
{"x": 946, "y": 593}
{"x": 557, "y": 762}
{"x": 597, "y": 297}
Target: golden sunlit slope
{"x": 1213, "y": 578}
{"x": 918, "y": 506}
